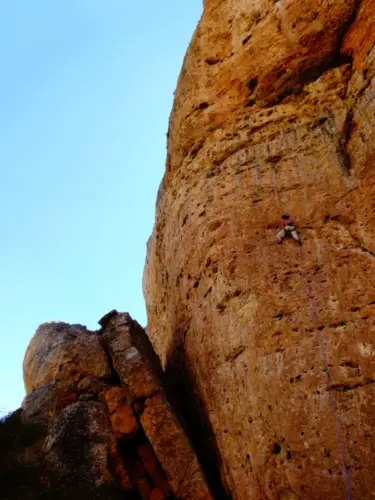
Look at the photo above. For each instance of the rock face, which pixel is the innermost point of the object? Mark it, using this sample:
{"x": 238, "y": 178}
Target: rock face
{"x": 107, "y": 418}
{"x": 274, "y": 113}
{"x": 79, "y": 442}
{"x": 59, "y": 351}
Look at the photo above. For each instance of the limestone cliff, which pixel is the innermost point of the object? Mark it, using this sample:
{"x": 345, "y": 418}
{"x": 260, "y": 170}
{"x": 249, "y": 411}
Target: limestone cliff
{"x": 98, "y": 422}
{"x": 274, "y": 113}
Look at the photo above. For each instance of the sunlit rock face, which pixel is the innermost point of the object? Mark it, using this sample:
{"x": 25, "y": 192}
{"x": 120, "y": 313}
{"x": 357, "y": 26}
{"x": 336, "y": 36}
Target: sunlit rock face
{"x": 274, "y": 113}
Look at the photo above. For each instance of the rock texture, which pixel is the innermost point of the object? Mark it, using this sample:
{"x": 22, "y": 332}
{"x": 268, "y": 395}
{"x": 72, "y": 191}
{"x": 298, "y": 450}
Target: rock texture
{"x": 79, "y": 442}
{"x": 63, "y": 352}
{"x": 102, "y": 402}
{"x": 274, "y": 113}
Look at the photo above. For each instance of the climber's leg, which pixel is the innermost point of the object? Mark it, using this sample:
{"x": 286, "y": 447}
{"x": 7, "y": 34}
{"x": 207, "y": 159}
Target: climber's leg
{"x": 280, "y": 236}
{"x": 295, "y": 236}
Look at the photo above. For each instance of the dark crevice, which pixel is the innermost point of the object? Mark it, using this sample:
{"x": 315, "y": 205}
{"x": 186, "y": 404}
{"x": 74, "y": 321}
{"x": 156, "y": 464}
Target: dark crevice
{"x": 338, "y": 59}
{"x": 252, "y": 83}
{"x": 236, "y": 353}
{"x": 137, "y": 470}
{"x": 195, "y": 150}
{"x": 276, "y": 449}
{"x": 349, "y": 364}
{"x": 203, "y": 105}
{"x": 211, "y": 61}
{"x": 250, "y": 102}
{"x": 114, "y": 378}
{"x": 221, "y": 307}
{"x": 346, "y": 388}
{"x": 366, "y": 250}
{"x": 344, "y": 156}
{"x": 351, "y": 21}
{"x": 246, "y": 39}
{"x": 337, "y": 324}
{"x": 125, "y": 494}
{"x": 312, "y": 74}
{"x": 356, "y": 239}
{"x": 195, "y": 419}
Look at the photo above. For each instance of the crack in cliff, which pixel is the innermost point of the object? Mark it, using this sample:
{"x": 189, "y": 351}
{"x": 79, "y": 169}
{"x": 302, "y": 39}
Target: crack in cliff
{"x": 350, "y": 387}
{"x": 114, "y": 379}
{"x": 366, "y": 250}
{"x": 311, "y": 73}
{"x": 349, "y": 127}
{"x": 340, "y": 141}
{"x": 349, "y": 23}
{"x": 342, "y": 149}
{"x": 195, "y": 417}
{"x": 230, "y": 151}
{"x": 159, "y": 430}
{"x": 356, "y": 239}
{"x": 236, "y": 353}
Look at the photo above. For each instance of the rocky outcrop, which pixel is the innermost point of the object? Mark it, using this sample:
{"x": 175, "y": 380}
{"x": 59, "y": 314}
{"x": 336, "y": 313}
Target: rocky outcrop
{"x": 274, "y": 113}
{"x": 79, "y": 442}
{"x": 107, "y": 418}
{"x": 62, "y": 352}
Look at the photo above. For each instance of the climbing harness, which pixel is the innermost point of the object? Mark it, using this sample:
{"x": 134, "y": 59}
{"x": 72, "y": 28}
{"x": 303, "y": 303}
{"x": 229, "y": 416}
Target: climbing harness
{"x": 329, "y": 381}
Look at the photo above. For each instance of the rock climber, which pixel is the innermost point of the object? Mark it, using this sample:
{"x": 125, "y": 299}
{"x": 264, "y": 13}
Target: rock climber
{"x": 288, "y": 228}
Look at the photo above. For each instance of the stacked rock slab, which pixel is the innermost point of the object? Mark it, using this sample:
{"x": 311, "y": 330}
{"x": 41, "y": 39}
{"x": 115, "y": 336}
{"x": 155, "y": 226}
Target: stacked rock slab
{"x": 274, "y": 113}
{"x": 101, "y": 398}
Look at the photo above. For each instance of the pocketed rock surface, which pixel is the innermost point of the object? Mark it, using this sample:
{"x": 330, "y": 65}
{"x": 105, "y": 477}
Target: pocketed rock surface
{"x": 274, "y": 113}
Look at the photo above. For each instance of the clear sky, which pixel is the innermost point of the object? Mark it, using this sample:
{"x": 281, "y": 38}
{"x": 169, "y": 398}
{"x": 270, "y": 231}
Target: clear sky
{"x": 86, "y": 89}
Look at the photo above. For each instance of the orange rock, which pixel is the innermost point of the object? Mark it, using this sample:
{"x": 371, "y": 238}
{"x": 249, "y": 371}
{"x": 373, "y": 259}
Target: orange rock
{"x": 124, "y": 421}
{"x": 114, "y": 397}
{"x": 269, "y": 120}
{"x": 173, "y": 450}
{"x": 139, "y": 370}
{"x": 152, "y": 467}
{"x": 360, "y": 38}
{"x": 157, "y": 495}
{"x": 66, "y": 399}
{"x": 132, "y": 355}
{"x": 139, "y": 477}
{"x": 121, "y": 472}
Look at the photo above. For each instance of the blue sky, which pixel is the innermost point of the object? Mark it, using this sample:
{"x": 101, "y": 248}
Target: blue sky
{"x": 85, "y": 94}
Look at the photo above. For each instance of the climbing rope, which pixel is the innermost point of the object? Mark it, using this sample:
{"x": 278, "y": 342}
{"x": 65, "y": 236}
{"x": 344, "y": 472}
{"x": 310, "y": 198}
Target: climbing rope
{"x": 329, "y": 381}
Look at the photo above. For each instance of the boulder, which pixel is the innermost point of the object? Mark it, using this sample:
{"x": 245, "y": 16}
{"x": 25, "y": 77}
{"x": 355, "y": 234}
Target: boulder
{"x": 59, "y": 351}
{"x": 79, "y": 444}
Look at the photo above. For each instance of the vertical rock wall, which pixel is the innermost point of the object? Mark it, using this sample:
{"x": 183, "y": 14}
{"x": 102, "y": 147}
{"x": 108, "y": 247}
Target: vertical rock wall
{"x": 274, "y": 113}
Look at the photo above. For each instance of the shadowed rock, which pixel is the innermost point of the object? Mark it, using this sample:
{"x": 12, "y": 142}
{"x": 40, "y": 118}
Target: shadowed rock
{"x": 94, "y": 395}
